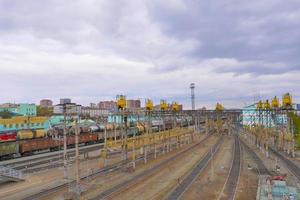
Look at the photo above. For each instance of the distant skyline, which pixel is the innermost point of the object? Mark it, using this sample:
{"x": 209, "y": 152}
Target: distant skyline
{"x": 92, "y": 50}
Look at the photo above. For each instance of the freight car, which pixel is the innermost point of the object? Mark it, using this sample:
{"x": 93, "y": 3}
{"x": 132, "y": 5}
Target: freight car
{"x": 7, "y": 136}
{"x": 30, "y": 134}
{"x": 9, "y": 149}
{"x": 28, "y": 147}
{"x": 21, "y": 135}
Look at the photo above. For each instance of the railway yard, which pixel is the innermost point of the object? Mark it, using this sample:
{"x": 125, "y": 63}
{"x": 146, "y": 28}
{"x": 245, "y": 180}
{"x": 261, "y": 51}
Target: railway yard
{"x": 191, "y": 164}
{"x": 210, "y": 156}
{"x": 149, "y": 100}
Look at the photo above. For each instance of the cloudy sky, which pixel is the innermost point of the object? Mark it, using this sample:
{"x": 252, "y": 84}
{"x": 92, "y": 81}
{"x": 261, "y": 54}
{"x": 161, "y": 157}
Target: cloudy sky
{"x": 92, "y": 50}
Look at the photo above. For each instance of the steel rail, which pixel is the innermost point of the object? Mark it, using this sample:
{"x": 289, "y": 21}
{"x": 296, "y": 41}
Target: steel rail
{"x": 190, "y": 178}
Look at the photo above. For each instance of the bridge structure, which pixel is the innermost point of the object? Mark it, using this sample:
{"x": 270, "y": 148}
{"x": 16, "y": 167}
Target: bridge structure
{"x": 9, "y": 174}
{"x": 234, "y": 114}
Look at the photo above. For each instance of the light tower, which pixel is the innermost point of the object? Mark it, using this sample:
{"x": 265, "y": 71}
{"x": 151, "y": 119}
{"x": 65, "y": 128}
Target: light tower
{"x": 192, "y": 86}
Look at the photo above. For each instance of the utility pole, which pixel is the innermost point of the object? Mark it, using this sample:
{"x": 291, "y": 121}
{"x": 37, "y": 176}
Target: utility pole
{"x": 105, "y": 148}
{"x": 148, "y": 114}
{"x": 192, "y": 86}
{"x": 65, "y": 143}
{"x": 77, "y": 157}
{"x": 115, "y": 129}
{"x": 212, "y": 163}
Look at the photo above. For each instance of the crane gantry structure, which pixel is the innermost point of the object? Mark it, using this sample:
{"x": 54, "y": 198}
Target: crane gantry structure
{"x": 271, "y": 124}
{"x": 171, "y": 114}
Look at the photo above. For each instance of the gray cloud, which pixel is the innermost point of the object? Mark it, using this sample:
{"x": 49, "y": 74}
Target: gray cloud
{"x": 90, "y": 50}
{"x": 267, "y": 31}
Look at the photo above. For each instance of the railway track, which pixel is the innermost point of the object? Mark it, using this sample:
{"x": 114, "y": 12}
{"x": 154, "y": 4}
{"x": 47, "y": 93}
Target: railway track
{"x": 293, "y": 168}
{"x": 229, "y": 190}
{"x": 261, "y": 168}
{"x": 132, "y": 181}
{"x": 114, "y": 167}
{"x": 111, "y": 168}
{"x": 31, "y": 164}
{"x": 189, "y": 179}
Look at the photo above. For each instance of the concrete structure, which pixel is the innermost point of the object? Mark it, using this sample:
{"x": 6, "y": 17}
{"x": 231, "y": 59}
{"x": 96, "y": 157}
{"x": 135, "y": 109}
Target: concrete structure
{"x": 107, "y": 105}
{"x": 9, "y": 174}
{"x": 192, "y": 86}
{"x": 94, "y": 112}
{"x": 23, "y": 109}
{"x": 133, "y": 104}
{"x": 71, "y": 109}
{"x": 46, "y": 103}
{"x": 64, "y": 101}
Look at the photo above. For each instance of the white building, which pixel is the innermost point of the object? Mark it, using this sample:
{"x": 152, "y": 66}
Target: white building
{"x": 71, "y": 109}
{"x": 94, "y": 112}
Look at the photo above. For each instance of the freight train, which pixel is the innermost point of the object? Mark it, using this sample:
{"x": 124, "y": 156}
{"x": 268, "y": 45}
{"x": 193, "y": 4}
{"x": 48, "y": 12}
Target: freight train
{"x": 28, "y": 147}
{"x": 28, "y": 142}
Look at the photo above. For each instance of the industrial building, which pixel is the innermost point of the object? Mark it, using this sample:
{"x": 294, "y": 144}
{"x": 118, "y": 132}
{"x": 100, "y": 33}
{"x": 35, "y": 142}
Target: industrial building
{"x": 23, "y": 109}
{"x": 22, "y": 122}
{"x": 252, "y": 116}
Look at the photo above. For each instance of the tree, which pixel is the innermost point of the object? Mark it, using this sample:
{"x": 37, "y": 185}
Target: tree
{"x": 5, "y": 114}
{"x": 47, "y": 112}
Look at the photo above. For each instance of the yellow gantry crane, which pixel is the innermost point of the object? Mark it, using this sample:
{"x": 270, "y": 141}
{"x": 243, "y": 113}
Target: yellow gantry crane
{"x": 219, "y": 107}
{"x": 149, "y": 105}
{"x": 275, "y": 103}
{"x": 283, "y": 138}
{"x": 266, "y": 105}
{"x": 175, "y": 106}
{"x": 287, "y": 101}
{"x": 163, "y": 105}
{"x": 121, "y": 102}
{"x": 259, "y": 105}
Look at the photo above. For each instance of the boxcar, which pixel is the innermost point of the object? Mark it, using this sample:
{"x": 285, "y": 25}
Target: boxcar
{"x": 9, "y": 149}
{"x": 35, "y": 145}
{"x": 71, "y": 140}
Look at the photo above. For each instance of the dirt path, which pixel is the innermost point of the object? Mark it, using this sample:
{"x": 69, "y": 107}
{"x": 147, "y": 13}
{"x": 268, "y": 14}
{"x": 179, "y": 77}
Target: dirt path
{"x": 248, "y": 182}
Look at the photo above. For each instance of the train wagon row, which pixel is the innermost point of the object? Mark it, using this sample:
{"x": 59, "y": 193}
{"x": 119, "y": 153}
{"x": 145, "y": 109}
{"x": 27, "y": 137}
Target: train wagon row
{"x": 30, "y": 141}
{"x": 27, "y": 147}
{"x": 22, "y": 135}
